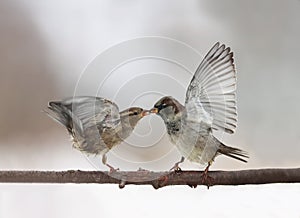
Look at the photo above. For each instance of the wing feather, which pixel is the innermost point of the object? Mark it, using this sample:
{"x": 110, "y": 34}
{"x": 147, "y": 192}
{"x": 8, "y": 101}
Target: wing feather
{"x": 214, "y": 83}
{"x": 93, "y": 111}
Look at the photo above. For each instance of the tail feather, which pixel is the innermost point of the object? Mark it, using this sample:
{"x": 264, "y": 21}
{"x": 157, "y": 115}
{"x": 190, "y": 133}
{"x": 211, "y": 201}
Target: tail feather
{"x": 235, "y": 153}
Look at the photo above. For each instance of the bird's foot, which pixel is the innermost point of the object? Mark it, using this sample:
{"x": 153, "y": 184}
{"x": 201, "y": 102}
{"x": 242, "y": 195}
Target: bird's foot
{"x": 206, "y": 179}
{"x": 176, "y": 168}
{"x": 112, "y": 169}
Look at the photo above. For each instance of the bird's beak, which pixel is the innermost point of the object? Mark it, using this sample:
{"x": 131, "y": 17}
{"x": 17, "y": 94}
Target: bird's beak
{"x": 154, "y": 111}
{"x": 145, "y": 113}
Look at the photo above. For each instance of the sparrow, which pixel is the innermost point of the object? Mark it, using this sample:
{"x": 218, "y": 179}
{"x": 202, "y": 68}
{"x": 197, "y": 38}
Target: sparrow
{"x": 94, "y": 123}
{"x": 210, "y": 105}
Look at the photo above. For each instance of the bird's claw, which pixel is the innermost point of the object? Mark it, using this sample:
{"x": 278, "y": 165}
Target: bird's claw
{"x": 206, "y": 179}
{"x": 176, "y": 168}
{"x": 112, "y": 169}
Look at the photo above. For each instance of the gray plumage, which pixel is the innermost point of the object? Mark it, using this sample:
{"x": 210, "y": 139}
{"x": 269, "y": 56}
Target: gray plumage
{"x": 210, "y": 104}
{"x": 95, "y": 124}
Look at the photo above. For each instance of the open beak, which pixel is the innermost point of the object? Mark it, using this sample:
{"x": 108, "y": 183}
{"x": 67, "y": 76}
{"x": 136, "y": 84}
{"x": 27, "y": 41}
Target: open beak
{"x": 145, "y": 113}
{"x": 154, "y": 111}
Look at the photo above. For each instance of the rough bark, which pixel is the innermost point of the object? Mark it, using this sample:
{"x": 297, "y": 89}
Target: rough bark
{"x": 156, "y": 179}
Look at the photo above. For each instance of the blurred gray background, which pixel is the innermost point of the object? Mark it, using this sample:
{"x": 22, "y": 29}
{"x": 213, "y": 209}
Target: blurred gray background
{"x": 46, "y": 45}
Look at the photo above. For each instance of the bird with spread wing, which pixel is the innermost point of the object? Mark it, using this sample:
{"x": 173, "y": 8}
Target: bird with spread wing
{"x": 210, "y": 105}
{"x": 95, "y": 124}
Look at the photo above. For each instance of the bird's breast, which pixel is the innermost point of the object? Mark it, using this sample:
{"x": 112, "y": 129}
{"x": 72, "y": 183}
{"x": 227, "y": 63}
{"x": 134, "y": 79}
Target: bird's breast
{"x": 195, "y": 146}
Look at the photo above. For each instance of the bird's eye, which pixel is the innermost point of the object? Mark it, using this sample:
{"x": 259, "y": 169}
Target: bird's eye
{"x": 135, "y": 113}
{"x": 163, "y": 106}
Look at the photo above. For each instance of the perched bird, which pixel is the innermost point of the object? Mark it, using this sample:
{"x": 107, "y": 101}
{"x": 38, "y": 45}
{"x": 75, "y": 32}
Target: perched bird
{"x": 95, "y": 124}
{"x": 210, "y": 104}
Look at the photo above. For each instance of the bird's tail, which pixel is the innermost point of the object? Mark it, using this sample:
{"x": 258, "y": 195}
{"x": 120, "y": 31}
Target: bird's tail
{"x": 58, "y": 112}
{"x": 235, "y": 153}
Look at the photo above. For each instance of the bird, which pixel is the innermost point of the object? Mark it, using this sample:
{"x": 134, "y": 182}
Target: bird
{"x": 94, "y": 123}
{"x": 210, "y": 105}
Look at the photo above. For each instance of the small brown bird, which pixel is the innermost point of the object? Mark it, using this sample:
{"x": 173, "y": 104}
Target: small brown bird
{"x": 210, "y": 104}
{"x": 95, "y": 124}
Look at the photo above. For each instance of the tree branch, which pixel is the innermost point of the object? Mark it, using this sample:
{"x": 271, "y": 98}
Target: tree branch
{"x": 156, "y": 179}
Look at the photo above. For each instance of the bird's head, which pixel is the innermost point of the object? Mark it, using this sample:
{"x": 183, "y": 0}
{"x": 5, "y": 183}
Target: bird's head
{"x": 167, "y": 108}
{"x": 132, "y": 115}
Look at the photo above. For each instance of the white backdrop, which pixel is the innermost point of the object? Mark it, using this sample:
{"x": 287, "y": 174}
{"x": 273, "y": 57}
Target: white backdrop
{"x": 46, "y": 45}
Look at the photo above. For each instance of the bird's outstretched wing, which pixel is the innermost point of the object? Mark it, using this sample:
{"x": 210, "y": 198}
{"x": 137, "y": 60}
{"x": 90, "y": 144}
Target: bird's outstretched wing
{"x": 86, "y": 112}
{"x": 213, "y": 88}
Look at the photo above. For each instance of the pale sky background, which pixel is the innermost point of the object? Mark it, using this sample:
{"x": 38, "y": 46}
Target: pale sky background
{"x": 45, "y": 51}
